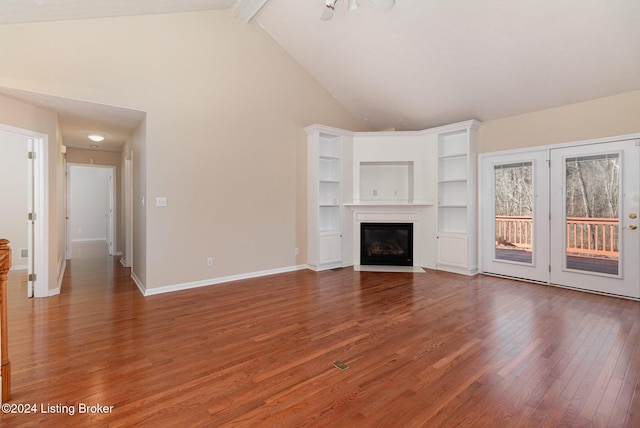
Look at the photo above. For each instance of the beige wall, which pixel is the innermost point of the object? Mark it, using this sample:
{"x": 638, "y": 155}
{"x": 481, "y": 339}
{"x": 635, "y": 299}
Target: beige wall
{"x": 603, "y": 117}
{"x": 223, "y": 139}
{"x": 26, "y": 117}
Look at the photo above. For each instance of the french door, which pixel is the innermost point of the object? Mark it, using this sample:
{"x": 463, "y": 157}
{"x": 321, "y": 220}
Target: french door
{"x": 565, "y": 216}
{"x": 515, "y": 206}
{"x": 594, "y": 201}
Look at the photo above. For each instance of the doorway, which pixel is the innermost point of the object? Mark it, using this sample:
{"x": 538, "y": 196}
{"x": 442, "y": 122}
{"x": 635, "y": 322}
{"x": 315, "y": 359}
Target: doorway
{"x": 565, "y": 216}
{"x": 29, "y": 231}
{"x": 90, "y": 209}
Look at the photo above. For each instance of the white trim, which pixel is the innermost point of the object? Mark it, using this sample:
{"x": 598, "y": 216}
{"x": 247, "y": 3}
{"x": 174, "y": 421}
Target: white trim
{"x": 19, "y": 267}
{"x": 90, "y": 240}
{"x": 138, "y": 283}
{"x": 561, "y": 145}
{"x": 196, "y": 284}
{"x": 41, "y": 202}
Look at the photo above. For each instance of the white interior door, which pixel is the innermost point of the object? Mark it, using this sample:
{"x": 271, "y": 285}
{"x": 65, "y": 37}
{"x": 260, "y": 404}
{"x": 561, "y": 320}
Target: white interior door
{"x": 31, "y": 217}
{"x": 595, "y": 202}
{"x": 515, "y": 206}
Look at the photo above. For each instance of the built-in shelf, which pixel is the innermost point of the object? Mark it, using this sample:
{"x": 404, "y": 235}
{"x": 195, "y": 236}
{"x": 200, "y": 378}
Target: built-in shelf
{"x": 326, "y": 190}
{"x": 424, "y": 177}
{"x": 456, "y": 201}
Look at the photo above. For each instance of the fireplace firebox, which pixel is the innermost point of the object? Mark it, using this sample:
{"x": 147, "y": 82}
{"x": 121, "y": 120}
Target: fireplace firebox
{"x": 386, "y": 244}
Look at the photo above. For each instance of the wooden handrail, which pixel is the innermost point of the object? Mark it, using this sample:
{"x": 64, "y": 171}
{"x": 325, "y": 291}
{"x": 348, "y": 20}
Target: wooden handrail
{"x": 585, "y": 236}
{"x": 5, "y": 372}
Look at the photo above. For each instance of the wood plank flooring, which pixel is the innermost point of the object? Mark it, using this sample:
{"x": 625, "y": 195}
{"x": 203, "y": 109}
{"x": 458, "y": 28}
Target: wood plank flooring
{"x": 423, "y": 350}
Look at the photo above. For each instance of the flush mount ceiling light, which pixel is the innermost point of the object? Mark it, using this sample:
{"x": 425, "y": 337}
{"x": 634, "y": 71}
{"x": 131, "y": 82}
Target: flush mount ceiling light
{"x": 327, "y": 13}
{"x": 95, "y": 137}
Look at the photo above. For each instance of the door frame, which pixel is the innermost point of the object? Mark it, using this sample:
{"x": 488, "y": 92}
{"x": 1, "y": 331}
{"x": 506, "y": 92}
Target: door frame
{"x": 484, "y": 235}
{"x": 111, "y": 197}
{"x": 39, "y": 250}
{"x": 127, "y": 259}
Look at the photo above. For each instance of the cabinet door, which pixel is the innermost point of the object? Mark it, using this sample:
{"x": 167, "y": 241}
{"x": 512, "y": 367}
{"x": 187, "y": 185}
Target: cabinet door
{"x": 330, "y": 248}
{"x": 452, "y": 250}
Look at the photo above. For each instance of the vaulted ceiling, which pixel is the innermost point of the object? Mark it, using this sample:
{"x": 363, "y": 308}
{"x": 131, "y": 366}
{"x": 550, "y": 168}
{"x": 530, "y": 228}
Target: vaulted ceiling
{"x": 427, "y": 62}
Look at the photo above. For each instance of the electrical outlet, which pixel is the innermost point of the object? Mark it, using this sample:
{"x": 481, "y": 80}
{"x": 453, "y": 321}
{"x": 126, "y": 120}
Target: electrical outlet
{"x": 297, "y": 251}
{"x": 210, "y": 261}
{"x": 375, "y": 192}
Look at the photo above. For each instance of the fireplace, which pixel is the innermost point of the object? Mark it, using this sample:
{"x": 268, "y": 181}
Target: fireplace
{"x": 386, "y": 244}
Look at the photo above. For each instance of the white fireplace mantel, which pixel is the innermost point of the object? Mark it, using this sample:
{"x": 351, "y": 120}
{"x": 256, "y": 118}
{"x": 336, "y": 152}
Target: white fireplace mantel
{"x": 391, "y": 213}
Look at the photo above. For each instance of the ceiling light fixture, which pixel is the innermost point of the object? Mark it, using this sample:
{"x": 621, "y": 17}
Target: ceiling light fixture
{"x": 95, "y": 137}
{"x": 330, "y": 8}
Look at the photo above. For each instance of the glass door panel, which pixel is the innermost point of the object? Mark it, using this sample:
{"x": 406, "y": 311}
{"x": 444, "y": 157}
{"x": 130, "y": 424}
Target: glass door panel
{"x": 592, "y": 199}
{"x": 513, "y": 187}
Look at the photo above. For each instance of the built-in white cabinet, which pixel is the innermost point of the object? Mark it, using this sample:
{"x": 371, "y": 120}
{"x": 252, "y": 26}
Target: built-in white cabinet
{"x": 430, "y": 174}
{"x": 457, "y": 211}
{"x": 328, "y": 184}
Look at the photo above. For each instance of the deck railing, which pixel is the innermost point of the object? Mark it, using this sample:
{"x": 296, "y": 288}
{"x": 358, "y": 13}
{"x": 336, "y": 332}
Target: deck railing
{"x": 514, "y": 231}
{"x": 588, "y": 236}
{"x": 593, "y": 236}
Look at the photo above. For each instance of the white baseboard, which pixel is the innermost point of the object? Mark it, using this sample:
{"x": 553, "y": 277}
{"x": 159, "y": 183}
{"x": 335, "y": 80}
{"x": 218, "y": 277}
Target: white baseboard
{"x": 213, "y": 281}
{"x": 139, "y": 284}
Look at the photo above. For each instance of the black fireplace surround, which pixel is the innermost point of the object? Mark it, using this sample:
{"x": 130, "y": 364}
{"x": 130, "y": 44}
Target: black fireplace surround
{"x": 386, "y": 244}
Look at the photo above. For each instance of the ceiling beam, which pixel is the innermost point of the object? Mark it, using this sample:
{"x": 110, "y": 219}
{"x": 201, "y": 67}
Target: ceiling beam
{"x": 247, "y": 9}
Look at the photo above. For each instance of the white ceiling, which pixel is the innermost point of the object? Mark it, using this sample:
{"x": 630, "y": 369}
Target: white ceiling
{"x": 79, "y": 119}
{"x": 431, "y": 62}
{"x": 423, "y": 63}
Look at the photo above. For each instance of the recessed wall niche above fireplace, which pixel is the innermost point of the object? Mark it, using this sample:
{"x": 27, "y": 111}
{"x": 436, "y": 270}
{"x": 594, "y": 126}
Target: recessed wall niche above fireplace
{"x": 386, "y": 244}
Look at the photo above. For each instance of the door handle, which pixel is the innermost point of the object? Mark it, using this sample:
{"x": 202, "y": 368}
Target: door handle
{"x": 632, "y": 227}
{"x": 633, "y": 215}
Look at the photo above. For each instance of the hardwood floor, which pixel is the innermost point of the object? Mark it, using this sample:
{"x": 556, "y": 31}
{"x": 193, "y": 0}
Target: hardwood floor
{"x": 431, "y": 349}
